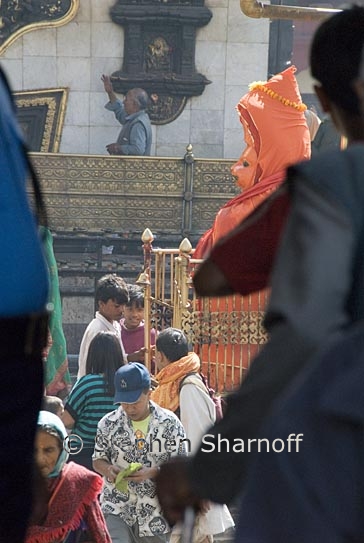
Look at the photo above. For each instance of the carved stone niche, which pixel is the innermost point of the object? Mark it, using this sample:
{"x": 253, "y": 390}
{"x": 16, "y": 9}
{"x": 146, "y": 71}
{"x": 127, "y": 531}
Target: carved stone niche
{"x": 159, "y": 52}
{"x": 20, "y": 16}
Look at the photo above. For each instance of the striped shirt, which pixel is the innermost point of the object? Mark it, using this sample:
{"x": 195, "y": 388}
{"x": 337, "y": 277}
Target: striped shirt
{"x": 87, "y": 404}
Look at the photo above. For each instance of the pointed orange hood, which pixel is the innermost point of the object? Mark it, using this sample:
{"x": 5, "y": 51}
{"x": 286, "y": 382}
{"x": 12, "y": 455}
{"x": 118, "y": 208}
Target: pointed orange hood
{"x": 272, "y": 115}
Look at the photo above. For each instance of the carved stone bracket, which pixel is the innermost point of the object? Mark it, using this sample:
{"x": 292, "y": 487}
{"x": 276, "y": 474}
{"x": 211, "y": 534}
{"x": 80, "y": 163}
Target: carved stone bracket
{"x": 159, "y": 52}
{"x": 20, "y": 16}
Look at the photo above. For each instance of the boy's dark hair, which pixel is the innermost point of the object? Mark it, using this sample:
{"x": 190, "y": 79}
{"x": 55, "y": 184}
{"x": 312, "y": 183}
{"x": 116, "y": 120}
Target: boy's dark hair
{"x": 335, "y": 56}
{"x": 111, "y": 287}
{"x": 136, "y": 296}
{"x": 51, "y": 404}
{"x": 172, "y": 343}
{"x": 105, "y": 357}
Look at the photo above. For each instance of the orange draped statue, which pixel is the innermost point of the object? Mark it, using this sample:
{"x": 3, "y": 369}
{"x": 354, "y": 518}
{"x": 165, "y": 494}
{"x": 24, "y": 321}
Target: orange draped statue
{"x": 276, "y": 135}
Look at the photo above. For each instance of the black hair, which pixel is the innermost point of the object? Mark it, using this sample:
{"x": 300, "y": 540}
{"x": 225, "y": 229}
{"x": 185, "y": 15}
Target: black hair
{"x": 111, "y": 287}
{"x": 335, "y": 56}
{"x": 172, "y": 343}
{"x": 51, "y": 404}
{"x": 105, "y": 356}
{"x": 136, "y": 296}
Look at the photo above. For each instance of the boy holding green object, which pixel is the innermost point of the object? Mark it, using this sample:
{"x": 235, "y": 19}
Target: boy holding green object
{"x": 139, "y": 436}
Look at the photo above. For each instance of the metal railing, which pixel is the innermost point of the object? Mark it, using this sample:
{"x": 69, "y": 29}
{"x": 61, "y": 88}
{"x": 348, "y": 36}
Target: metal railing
{"x": 226, "y": 332}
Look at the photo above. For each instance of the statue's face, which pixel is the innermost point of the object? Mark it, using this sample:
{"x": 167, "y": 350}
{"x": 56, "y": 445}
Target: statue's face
{"x": 245, "y": 169}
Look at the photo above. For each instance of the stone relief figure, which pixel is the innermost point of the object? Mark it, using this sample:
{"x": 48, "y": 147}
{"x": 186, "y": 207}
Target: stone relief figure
{"x": 164, "y": 108}
{"x": 158, "y": 56}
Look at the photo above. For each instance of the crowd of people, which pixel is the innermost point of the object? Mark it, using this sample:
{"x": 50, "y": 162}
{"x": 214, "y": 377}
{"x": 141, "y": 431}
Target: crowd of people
{"x": 143, "y": 467}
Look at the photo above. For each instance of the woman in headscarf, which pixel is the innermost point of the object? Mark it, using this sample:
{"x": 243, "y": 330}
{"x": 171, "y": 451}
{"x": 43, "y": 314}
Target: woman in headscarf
{"x": 276, "y": 135}
{"x": 72, "y": 512}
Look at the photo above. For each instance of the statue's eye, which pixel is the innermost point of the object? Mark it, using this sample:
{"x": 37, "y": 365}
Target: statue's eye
{"x": 246, "y": 164}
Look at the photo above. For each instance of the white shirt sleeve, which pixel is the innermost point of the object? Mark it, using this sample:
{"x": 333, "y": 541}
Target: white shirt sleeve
{"x": 197, "y": 413}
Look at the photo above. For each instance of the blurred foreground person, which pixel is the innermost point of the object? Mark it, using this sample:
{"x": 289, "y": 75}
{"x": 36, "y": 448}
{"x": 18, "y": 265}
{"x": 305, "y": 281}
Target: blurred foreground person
{"x": 317, "y": 278}
{"x": 316, "y": 494}
{"x": 308, "y": 488}
{"x": 23, "y": 323}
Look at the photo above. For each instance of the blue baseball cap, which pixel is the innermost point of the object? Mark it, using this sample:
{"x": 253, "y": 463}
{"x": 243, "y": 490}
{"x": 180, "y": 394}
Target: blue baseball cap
{"x": 130, "y": 381}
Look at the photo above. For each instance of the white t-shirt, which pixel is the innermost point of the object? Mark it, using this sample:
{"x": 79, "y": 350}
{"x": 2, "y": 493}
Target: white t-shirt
{"x": 98, "y": 324}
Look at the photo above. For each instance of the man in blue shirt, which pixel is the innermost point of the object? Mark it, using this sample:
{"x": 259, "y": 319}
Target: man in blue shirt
{"x": 135, "y": 137}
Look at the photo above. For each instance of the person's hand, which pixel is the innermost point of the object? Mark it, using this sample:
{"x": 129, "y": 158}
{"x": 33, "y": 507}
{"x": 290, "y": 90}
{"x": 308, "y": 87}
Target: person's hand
{"x": 107, "y": 83}
{"x": 174, "y": 490}
{"x": 141, "y": 475}
{"x": 114, "y": 149}
{"x": 137, "y": 356}
{"x": 112, "y": 472}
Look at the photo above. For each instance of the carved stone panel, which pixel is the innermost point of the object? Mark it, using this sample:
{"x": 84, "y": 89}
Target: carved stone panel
{"x": 129, "y": 194}
{"x": 20, "y": 16}
{"x": 159, "y": 52}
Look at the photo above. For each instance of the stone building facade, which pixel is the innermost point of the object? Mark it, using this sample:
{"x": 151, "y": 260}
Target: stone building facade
{"x": 231, "y": 52}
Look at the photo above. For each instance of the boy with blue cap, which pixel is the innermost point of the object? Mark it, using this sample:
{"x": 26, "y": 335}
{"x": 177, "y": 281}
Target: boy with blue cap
{"x": 138, "y": 431}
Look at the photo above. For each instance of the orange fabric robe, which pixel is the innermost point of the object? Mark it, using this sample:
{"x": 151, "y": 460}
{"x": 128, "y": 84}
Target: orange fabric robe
{"x": 276, "y": 135}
